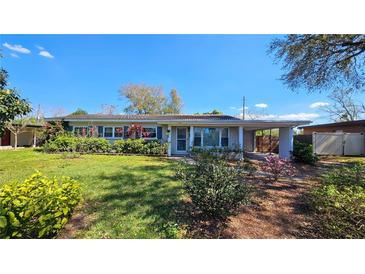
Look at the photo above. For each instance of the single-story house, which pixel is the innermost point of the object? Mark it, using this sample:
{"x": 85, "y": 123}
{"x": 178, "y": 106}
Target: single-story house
{"x": 26, "y": 138}
{"x": 183, "y": 132}
{"x": 346, "y": 127}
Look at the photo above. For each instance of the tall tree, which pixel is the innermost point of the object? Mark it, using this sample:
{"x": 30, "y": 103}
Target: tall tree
{"x": 108, "y": 109}
{"x": 343, "y": 106}
{"x": 318, "y": 62}
{"x": 79, "y": 111}
{"x": 11, "y": 105}
{"x": 174, "y": 104}
{"x": 144, "y": 99}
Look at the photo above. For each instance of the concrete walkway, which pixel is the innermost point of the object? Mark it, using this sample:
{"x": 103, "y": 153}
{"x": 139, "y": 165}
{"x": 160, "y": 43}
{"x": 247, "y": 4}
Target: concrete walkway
{"x": 259, "y": 156}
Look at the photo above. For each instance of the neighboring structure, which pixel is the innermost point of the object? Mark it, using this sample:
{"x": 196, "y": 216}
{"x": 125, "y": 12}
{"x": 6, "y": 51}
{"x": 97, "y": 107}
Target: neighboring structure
{"x": 25, "y": 139}
{"x": 347, "y": 127}
{"x": 183, "y": 131}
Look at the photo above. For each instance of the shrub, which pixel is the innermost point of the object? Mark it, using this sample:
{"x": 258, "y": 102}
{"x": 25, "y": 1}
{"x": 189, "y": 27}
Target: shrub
{"x": 277, "y": 167}
{"x": 339, "y": 203}
{"x": 140, "y": 146}
{"x": 38, "y": 207}
{"x": 50, "y": 131}
{"x": 303, "y": 153}
{"x": 68, "y": 143}
{"x": 92, "y": 145}
{"x": 214, "y": 186}
{"x": 62, "y": 143}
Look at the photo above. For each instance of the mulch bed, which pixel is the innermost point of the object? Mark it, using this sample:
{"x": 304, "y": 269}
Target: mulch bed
{"x": 277, "y": 211}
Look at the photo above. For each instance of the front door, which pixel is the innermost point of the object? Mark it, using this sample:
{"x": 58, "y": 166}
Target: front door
{"x": 181, "y": 142}
{"x": 5, "y": 140}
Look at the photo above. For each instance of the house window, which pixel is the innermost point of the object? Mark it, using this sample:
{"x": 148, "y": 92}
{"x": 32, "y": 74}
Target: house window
{"x": 210, "y": 137}
{"x": 118, "y": 132}
{"x": 149, "y": 132}
{"x": 108, "y": 132}
{"x": 81, "y": 131}
{"x": 197, "y": 137}
{"x": 224, "y": 137}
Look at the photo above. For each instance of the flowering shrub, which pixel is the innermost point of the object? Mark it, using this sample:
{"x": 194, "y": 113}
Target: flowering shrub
{"x": 38, "y": 207}
{"x": 277, "y": 167}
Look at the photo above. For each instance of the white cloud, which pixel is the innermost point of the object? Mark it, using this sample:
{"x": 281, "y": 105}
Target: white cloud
{"x": 318, "y": 104}
{"x": 17, "y": 48}
{"x": 261, "y": 105}
{"x": 14, "y": 55}
{"x": 39, "y": 47}
{"x": 46, "y": 54}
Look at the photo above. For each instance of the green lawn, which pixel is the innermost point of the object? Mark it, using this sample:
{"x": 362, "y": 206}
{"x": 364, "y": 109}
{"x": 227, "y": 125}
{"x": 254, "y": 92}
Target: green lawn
{"x": 124, "y": 196}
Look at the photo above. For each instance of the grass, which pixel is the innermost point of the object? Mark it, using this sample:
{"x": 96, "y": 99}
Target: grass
{"x": 123, "y": 196}
{"x": 345, "y": 159}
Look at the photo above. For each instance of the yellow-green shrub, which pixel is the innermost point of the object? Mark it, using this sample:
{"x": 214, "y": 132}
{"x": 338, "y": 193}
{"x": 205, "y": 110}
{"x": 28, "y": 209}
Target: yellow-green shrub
{"x": 38, "y": 207}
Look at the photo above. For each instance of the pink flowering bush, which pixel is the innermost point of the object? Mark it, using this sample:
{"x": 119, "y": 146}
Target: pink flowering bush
{"x": 277, "y": 167}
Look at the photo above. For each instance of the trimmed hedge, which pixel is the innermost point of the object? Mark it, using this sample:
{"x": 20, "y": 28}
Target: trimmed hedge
{"x": 339, "y": 203}
{"x": 66, "y": 143}
{"x": 38, "y": 207}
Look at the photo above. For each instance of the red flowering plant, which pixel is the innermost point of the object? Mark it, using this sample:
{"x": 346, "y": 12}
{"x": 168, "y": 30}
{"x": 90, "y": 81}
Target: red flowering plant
{"x": 277, "y": 167}
{"x": 135, "y": 131}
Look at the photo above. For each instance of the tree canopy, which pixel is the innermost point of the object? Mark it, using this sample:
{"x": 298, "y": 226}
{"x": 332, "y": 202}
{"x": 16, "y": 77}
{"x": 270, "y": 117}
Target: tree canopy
{"x": 79, "y": 111}
{"x": 321, "y": 62}
{"x": 144, "y": 99}
{"x": 11, "y": 105}
{"x": 214, "y": 111}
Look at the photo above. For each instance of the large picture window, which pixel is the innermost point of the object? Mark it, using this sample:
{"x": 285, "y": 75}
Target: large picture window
{"x": 210, "y": 137}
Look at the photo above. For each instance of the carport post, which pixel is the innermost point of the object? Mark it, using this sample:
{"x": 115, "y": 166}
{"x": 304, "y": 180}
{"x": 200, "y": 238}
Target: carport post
{"x": 286, "y": 137}
{"x": 169, "y": 132}
{"x": 240, "y": 138}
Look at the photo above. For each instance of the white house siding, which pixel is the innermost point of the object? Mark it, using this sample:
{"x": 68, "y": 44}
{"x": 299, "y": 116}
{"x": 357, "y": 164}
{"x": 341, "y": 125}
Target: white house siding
{"x": 249, "y": 140}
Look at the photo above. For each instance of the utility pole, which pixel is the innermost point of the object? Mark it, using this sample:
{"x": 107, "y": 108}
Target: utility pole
{"x": 243, "y": 107}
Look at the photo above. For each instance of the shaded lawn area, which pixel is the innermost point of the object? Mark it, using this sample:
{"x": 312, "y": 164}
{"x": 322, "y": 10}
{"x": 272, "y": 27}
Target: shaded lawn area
{"x": 123, "y": 196}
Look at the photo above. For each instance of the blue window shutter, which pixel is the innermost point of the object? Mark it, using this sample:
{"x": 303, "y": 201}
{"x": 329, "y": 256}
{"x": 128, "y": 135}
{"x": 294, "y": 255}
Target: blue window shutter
{"x": 100, "y": 131}
{"x": 126, "y": 132}
{"x": 159, "y": 133}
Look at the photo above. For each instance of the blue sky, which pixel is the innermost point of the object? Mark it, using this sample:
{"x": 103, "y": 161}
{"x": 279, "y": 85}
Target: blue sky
{"x": 209, "y": 71}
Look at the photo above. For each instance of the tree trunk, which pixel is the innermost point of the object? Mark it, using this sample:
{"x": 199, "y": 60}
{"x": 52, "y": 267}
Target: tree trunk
{"x": 15, "y": 140}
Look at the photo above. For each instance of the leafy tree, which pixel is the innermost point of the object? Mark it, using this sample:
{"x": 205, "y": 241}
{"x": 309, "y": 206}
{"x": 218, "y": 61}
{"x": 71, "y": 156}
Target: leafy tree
{"x": 79, "y": 111}
{"x": 145, "y": 99}
{"x": 214, "y": 111}
{"x": 174, "y": 103}
{"x": 11, "y": 105}
{"x": 344, "y": 107}
{"x": 108, "y": 109}
{"x": 321, "y": 61}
